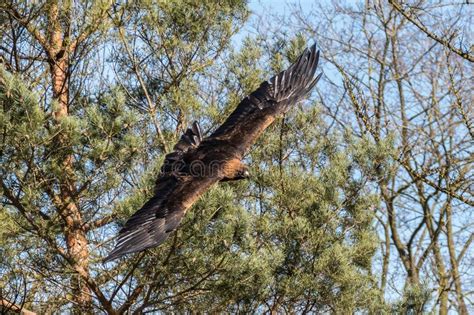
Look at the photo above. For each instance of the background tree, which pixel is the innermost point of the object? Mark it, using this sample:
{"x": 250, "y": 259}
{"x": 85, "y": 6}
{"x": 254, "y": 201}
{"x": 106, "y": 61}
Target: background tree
{"x": 93, "y": 94}
{"x": 43, "y": 182}
{"x": 64, "y": 145}
{"x": 400, "y": 72}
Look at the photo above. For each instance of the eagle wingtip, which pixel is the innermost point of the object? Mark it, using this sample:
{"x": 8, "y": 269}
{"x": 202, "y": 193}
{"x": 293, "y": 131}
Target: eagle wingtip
{"x": 109, "y": 258}
{"x": 117, "y": 253}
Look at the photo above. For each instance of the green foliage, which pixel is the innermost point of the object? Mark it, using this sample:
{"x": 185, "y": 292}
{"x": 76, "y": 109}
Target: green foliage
{"x": 414, "y": 301}
{"x": 296, "y": 237}
{"x": 100, "y": 134}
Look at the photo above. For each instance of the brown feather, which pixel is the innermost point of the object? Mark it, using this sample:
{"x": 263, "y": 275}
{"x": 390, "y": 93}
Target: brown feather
{"x": 178, "y": 186}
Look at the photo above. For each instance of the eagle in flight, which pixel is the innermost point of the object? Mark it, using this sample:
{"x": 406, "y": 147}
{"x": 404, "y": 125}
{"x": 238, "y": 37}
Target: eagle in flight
{"x": 197, "y": 163}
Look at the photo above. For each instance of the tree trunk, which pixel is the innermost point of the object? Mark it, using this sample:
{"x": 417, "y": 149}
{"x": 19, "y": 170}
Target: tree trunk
{"x": 76, "y": 242}
{"x": 59, "y": 80}
{"x": 74, "y": 232}
{"x": 462, "y": 308}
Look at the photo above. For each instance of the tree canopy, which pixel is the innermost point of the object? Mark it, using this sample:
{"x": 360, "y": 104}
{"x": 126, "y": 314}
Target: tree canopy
{"x": 358, "y": 201}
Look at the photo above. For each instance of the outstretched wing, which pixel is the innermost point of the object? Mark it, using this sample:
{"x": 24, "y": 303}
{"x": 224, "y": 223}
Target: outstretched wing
{"x": 160, "y": 215}
{"x": 272, "y": 98}
{"x": 176, "y": 190}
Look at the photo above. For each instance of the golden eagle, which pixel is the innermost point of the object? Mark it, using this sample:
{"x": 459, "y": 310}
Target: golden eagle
{"x": 196, "y": 163}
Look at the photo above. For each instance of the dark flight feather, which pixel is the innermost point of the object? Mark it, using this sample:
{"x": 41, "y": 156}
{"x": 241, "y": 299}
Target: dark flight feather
{"x": 286, "y": 88}
{"x": 177, "y": 188}
{"x": 151, "y": 224}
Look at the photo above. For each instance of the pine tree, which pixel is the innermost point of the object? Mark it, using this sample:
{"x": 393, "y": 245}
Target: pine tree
{"x": 80, "y": 152}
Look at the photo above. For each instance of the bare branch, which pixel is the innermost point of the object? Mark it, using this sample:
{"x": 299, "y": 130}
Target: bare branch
{"x": 423, "y": 28}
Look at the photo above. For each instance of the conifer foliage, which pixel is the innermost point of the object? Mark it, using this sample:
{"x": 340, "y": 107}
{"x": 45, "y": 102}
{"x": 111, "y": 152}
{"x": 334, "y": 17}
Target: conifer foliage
{"x": 94, "y": 94}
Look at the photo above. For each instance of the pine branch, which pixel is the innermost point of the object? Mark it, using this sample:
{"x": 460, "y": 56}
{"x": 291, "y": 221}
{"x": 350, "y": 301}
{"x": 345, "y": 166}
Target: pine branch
{"x": 9, "y": 306}
{"x": 25, "y": 22}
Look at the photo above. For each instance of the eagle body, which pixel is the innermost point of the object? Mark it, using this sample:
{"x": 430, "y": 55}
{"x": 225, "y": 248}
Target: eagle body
{"x": 197, "y": 163}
